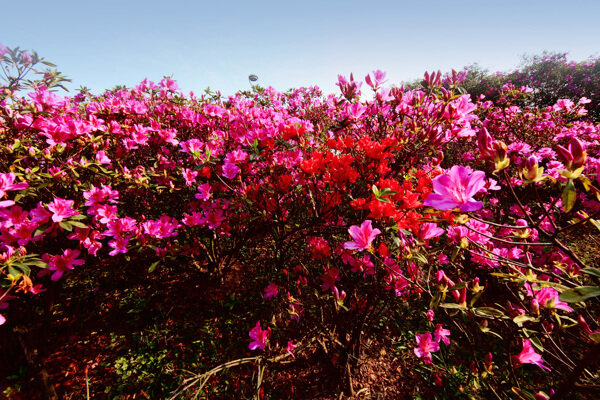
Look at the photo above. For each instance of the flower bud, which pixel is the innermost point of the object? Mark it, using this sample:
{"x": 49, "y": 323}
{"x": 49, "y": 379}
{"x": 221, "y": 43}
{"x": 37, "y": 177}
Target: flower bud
{"x": 430, "y": 315}
{"x": 500, "y": 150}
{"x": 579, "y": 154}
{"x": 500, "y": 158}
{"x": 485, "y": 144}
{"x": 574, "y": 157}
{"x": 530, "y": 169}
{"x": 534, "y": 307}
{"x": 583, "y": 324}
{"x": 565, "y": 156}
{"x": 463, "y": 297}
{"x": 488, "y": 362}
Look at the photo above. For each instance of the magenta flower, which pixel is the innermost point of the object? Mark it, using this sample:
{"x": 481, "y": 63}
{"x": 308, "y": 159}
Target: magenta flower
{"x": 429, "y": 230}
{"x": 456, "y": 189}
{"x": 271, "y": 291}
{"x": 62, "y": 263}
{"x": 102, "y": 158}
{"x": 425, "y": 346}
{"x": 441, "y": 334}
{"x": 547, "y": 297}
{"x": 189, "y": 175}
{"x": 7, "y": 182}
{"x": 119, "y": 245}
{"x": 329, "y": 279}
{"x": 290, "y": 346}
{"x": 529, "y": 356}
{"x": 61, "y": 209}
{"x": 230, "y": 170}
{"x": 362, "y": 237}
{"x": 259, "y": 337}
{"x": 204, "y": 192}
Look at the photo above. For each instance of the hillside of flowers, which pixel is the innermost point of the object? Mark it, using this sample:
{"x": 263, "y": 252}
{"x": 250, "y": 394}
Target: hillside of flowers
{"x": 382, "y": 242}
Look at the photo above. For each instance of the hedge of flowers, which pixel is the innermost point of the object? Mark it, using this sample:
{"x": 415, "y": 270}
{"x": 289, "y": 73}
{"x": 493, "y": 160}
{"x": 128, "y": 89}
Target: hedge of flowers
{"x": 475, "y": 223}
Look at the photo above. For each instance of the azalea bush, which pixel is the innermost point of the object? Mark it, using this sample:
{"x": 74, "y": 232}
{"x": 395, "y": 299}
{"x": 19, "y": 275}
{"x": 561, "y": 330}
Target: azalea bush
{"x": 459, "y": 235}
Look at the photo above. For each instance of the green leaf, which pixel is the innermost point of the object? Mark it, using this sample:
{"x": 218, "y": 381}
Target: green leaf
{"x": 595, "y": 223}
{"x": 458, "y": 286}
{"x": 569, "y": 196}
{"x": 488, "y": 312}
{"x": 376, "y": 191}
{"x": 77, "y": 217}
{"x": 420, "y": 257}
{"x": 592, "y": 271}
{"x": 78, "y": 224}
{"x": 153, "y": 266}
{"x": 24, "y": 268}
{"x": 520, "y": 319}
{"x": 388, "y": 192}
{"x": 66, "y": 226}
{"x": 39, "y": 264}
{"x": 453, "y": 306}
{"x": 537, "y": 344}
{"x": 523, "y": 394}
{"x": 595, "y": 337}
{"x": 13, "y": 273}
{"x": 435, "y": 300}
{"x": 580, "y": 293}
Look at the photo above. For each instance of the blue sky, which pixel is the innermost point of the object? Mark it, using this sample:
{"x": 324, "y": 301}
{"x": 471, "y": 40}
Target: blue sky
{"x": 288, "y": 44}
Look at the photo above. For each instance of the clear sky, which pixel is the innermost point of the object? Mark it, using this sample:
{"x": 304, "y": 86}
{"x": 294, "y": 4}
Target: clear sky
{"x": 100, "y": 44}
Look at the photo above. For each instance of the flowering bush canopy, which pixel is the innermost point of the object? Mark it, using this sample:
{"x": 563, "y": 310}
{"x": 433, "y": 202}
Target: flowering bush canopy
{"x": 470, "y": 223}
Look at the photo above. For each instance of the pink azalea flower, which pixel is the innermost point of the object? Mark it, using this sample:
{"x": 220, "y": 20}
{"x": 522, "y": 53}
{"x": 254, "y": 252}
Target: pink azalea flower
{"x": 259, "y": 337}
{"x": 119, "y": 245}
{"x": 547, "y": 297}
{"x": 204, "y": 192}
{"x": 430, "y": 230}
{"x": 105, "y": 212}
{"x": 162, "y": 228}
{"x": 529, "y": 356}
{"x": 2, "y": 319}
{"x": 330, "y": 278}
{"x": 425, "y": 346}
{"x": 430, "y": 315}
{"x": 236, "y": 156}
{"x": 362, "y": 237}
{"x": 290, "y": 346}
{"x": 62, "y": 263}
{"x": 271, "y": 291}
{"x": 441, "y": 334}
{"x": 7, "y": 183}
{"x": 230, "y": 170}
{"x": 102, "y": 158}
{"x": 61, "y": 209}
{"x": 189, "y": 175}
{"x": 456, "y": 189}
{"x": 214, "y": 218}
{"x": 378, "y": 79}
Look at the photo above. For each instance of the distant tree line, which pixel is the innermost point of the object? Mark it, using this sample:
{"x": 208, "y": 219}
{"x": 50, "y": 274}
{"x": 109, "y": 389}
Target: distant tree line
{"x": 550, "y": 76}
